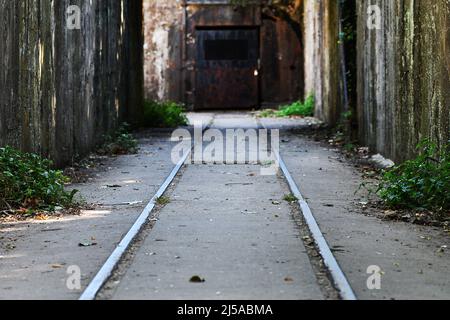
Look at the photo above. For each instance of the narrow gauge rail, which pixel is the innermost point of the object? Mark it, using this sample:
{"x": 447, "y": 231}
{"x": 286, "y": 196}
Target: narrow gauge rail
{"x": 340, "y": 281}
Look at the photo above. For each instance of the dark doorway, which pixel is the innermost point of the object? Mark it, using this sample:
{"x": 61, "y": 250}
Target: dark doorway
{"x": 227, "y": 75}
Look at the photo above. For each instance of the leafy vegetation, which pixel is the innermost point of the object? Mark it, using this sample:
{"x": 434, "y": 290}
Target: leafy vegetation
{"x": 305, "y": 109}
{"x": 348, "y": 40}
{"x": 121, "y": 142}
{"x": 350, "y": 147}
{"x": 27, "y": 181}
{"x": 298, "y": 108}
{"x": 290, "y": 198}
{"x": 162, "y": 201}
{"x": 422, "y": 183}
{"x": 164, "y": 114}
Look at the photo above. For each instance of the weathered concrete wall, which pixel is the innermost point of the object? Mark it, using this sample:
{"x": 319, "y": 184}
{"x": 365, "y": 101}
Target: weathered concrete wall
{"x": 321, "y": 58}
{"x": 163, "y": 25}
{"x": 61, "y": 89}
{"x": 403, "y": 75}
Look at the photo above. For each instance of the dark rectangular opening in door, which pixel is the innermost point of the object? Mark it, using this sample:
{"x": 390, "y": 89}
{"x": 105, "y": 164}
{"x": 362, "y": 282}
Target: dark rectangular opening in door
{"x": 226, "y": 49}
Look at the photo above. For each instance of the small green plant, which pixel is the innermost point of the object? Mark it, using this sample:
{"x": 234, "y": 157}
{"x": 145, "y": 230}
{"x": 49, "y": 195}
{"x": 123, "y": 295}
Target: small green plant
{"x": 347, "y": 115}
{"x": 290, "y": 198}
{"x": 422, "y": 183}
{"x": 298, "y": 108}
{"x": 121, "y": 142}
{"x": 164, "y": 114}
{"x": 28, "y": 181}
{"x": 349, "y": 147}
{"x": 162, "y": 201}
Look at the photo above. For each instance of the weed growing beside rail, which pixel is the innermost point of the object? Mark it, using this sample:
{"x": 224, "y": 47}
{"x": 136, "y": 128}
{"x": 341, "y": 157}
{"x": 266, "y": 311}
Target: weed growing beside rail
{"x": 296, "y": 109}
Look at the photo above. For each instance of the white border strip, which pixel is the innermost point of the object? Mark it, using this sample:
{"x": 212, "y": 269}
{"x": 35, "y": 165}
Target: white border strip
{"x": 339, "y": 278}
{"x": 105, "y": 272}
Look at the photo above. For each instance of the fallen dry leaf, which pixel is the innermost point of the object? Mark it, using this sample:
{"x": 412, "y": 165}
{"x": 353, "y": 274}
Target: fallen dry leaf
{"x": 197, "y": 279}
{"x": 41, "y": 217}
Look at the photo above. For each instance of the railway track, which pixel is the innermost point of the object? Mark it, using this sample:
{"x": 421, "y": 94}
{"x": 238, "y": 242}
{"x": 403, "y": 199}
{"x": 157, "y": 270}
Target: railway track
{"x": 335, "y": 273}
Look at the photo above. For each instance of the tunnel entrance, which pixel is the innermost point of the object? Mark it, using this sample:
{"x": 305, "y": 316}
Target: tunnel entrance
{"x": 227, "y": 75}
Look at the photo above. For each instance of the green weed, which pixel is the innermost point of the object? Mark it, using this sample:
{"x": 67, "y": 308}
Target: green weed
{"x": 290, "y": 198}
{"x": 421, "y": 183}
{"x": 162, "y": 201}
{"x": 164, "y": 115}
{"x": 121, "y": 142}
{"x": 298, "y": 108}
{"x": 28, "y": 181}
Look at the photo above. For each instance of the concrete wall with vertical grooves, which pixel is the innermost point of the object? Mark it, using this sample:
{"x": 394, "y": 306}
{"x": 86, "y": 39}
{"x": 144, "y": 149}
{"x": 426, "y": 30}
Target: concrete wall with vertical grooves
{"x": 403, "y": 83}
{"x": 403, "y": 75}
{"x": 60, "y": 89}
{"x": 163, "y": 31}
{"x": 322, "y": 65}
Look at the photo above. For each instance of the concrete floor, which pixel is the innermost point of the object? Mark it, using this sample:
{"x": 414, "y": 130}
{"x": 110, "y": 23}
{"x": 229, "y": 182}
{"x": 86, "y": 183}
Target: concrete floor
{"x": 412, "y": 264}
{"x": 35, "y": 255}
{"x": 221, "y": 225}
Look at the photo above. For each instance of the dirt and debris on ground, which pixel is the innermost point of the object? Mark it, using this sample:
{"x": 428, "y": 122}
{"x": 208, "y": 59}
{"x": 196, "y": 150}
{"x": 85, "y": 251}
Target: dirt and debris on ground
{"x": 31, "y": 247}
{"x": 211, "y": 203}
{"x": 371, "y": 166}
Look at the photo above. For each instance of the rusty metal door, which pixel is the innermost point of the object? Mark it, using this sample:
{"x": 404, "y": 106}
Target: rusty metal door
{"x": 227, "y": 75}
